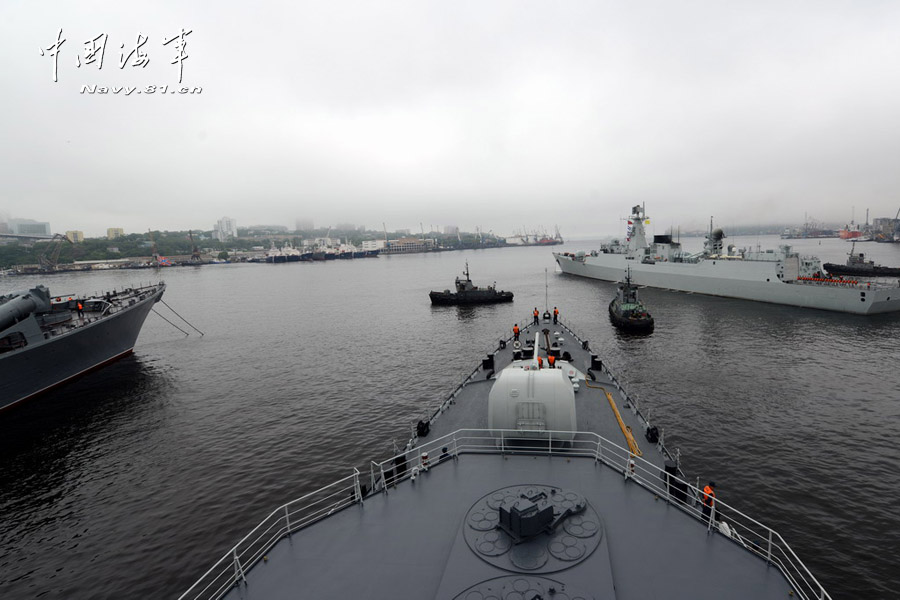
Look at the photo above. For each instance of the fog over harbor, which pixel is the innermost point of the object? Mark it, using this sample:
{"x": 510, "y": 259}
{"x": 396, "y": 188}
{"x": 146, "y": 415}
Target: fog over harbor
{"x": 499, "y": 115}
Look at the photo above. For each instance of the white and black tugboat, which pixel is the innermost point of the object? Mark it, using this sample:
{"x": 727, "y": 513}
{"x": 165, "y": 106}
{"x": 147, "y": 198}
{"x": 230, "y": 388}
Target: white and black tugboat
{"x": 537, "y": 477}
{"x": 47, "y": 340}
{"x": 627, "y": 312}
{"x": 469, "y": 293}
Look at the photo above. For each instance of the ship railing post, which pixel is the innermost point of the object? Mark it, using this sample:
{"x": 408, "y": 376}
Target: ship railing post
{"x": 668, "y": 486}
{"x": 769, "y": 552}
{"x": 712, "y": 517}
{"x": 455, "y": 446}
{"x": 287, "y": 518}
{"x": 372, "y": 475}
{"x": 238, "y": 571}
{"x": 356, "y": 489}
{"x": 384, "y": 485}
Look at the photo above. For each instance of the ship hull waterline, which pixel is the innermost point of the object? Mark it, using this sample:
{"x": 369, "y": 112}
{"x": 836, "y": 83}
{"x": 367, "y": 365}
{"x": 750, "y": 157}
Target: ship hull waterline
{"x": 747, "y": 280}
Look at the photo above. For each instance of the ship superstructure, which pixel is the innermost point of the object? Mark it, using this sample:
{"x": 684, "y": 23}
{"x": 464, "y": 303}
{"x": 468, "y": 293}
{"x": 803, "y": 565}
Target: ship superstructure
{"x": 780, "y": 276}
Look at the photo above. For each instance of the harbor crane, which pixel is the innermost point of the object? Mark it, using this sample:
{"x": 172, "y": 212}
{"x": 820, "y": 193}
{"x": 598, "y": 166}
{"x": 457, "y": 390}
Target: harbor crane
{"x": 51, "y": 262}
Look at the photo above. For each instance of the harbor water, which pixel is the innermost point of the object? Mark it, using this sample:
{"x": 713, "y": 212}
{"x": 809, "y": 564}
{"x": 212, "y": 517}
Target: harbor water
{"x": 132, "y": 481}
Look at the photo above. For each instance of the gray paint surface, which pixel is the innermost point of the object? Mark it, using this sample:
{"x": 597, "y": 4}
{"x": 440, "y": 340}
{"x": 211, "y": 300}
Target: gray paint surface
{"x": 408, "y": 541}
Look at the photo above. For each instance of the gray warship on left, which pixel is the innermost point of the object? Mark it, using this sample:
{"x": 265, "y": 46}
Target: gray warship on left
{"x": 47, "y": 340}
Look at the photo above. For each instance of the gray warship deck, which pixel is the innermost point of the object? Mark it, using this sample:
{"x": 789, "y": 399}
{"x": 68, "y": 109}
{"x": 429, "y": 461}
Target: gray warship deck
{"x": 425, "y": 527}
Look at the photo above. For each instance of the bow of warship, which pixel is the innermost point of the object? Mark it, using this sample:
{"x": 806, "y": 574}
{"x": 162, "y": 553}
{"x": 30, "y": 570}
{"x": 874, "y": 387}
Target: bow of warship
{"x": 527, "y": 482}
{"x": 47, "y": 340}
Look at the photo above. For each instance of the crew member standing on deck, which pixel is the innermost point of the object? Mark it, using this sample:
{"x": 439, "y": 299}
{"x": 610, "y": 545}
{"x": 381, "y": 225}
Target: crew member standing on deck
{"x": 536, "y": 313}
{"x": 540, "y": 363}
{"x": 516, "y": 332}
{"x": 708, "y": 498}
{"x": 555, "y": 315}
{"x": 80, "y": 308}
{"x": 551, "y": 360}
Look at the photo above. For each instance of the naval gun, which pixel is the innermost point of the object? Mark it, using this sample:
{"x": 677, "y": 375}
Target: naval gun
{"x": 17, "y": 306}
{"x": 533, "y": 401}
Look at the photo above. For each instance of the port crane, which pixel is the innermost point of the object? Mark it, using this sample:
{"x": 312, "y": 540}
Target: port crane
{"x": 49, "y": 258}
{"x": 195, "y": 251}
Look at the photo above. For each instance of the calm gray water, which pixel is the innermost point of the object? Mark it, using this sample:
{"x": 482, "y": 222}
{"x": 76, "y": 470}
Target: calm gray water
{"x": 134, "y": 480}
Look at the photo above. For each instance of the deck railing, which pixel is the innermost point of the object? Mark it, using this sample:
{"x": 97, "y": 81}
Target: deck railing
{"x": 387, "y": 474}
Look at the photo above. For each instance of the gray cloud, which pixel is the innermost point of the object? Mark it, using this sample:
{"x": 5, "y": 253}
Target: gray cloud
{"x": 492, "y": 114}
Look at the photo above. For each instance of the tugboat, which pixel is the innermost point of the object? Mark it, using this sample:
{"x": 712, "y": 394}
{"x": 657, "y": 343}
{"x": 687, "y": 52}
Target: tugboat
{"x": 857, "y": 265}
{"x": 626, "y": 312}
{"x": 469, "y": 293}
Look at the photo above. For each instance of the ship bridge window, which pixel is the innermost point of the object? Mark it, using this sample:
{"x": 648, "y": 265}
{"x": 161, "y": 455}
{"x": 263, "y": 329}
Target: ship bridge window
{"x": 13, "y": 341}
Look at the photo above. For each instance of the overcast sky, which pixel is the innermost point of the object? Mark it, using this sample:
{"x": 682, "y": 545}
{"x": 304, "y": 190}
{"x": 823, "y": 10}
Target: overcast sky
{"x": 498, "y": 114}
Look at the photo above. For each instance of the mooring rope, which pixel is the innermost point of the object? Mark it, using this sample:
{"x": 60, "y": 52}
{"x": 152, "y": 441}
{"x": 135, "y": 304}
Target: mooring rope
{"x": 170, "y": 322}
{"x": 180, "y": 317}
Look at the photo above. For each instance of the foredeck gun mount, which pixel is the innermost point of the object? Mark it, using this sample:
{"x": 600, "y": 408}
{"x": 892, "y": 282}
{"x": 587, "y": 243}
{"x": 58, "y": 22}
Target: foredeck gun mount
{"x": 534, "y": 528}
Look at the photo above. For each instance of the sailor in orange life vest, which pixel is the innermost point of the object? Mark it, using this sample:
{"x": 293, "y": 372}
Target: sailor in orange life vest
{"x": 80, "y": 307}
{"x": 540, "y": 363}
{"x": 516, "y": 332}
{"x": 555, "y": 315}
{"x": 708, "y": 498}
{"x": 536, "y": 313}
{"x": 551, "y": 360}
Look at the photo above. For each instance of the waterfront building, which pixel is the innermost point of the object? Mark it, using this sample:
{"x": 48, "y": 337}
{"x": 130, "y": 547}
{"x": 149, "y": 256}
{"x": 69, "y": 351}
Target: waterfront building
{"x": 75, "y": 236}
{"x": 368, "y": 245}
{"x": 29, "y": 227}
{"x": 409, "y": 244}
{"x": 225, "y": 229}
{"x": 114, "y": 232}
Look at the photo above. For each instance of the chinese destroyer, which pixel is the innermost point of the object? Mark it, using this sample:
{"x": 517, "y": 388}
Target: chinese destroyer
{"x": 779, "y": 276}
{"x": 48, "y": 340}
{"x": 469, "y": 293}
{"x": 525, "y": 482}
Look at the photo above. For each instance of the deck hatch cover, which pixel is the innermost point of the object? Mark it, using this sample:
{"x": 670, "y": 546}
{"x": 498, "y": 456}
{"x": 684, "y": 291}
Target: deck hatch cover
{"x": 516, "y": 587}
